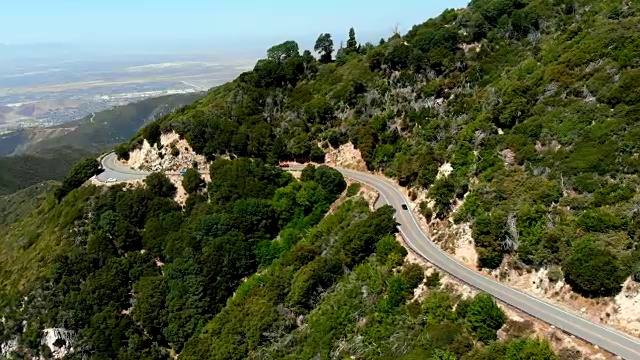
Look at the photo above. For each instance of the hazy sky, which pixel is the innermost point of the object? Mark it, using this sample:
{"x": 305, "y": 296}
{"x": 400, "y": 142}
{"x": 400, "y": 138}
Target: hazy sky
{"x": 197, "y": 24}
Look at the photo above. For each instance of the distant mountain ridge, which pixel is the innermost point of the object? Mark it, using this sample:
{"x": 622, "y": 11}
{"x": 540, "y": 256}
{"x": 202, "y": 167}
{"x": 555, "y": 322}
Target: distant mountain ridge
{"x": 99, "y": 130}
{"x": 31, "y": 156}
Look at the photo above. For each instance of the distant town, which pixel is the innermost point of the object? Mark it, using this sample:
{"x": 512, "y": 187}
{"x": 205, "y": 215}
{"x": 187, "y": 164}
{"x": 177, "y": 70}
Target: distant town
{"x": 53, "y": 94}
{"x": 51, "y": 112}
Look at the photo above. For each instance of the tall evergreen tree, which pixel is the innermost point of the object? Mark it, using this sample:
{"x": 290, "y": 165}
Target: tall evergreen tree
{"x": 324, "y": 46}
{"x": 352, "y": 44}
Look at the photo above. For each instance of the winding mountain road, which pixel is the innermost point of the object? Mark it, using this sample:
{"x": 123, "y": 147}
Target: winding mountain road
{"x": 113, "y": 170}
{"x": 616, "y": 342}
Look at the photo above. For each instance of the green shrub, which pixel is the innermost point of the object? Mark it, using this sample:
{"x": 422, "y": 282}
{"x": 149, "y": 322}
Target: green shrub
{"x": 413, "y": 274}
{"x": 390, "y": 252}
{"x": 593, "y": 270}
{"x": 586, "y": 183}
{"x": 484, "y": 317}
{"x": 532, "y": 349}
{"x": 613, "y": 194}
{"x": 555, "y": 274}
{"x": 192, "y": 182}
{"x": 600, "y": 220}
{"x": 636, "y": 272}
{"x": 78, "y": 175}
{"x": 426, "y": 210}
{"x": 353, "y": 189}
{"x": 122, "y": 151}
{"x": 330, "y": 179}
{"x": 443, "y": 193}
{"x": 433, "y": 280}
{"x": 398, "y": 291}
{"x": 174, "y": 150}
{"x": 160, "y": 185}
{"x": 152, "y": 133}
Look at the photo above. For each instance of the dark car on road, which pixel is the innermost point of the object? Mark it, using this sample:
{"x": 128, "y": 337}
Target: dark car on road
{"x": 404, "y": 207}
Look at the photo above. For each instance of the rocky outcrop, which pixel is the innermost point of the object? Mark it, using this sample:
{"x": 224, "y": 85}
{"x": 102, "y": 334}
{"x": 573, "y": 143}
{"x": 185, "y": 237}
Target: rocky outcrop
{"x": 173, "y": 154}
{"x": 59, "y": 340}
{"x": 346, "y": 156}
{"x": 6, "y": 348}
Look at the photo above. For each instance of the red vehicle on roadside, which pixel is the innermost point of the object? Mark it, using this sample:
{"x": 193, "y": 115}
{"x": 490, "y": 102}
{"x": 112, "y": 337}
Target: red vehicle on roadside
{"x": 284, "y": 165}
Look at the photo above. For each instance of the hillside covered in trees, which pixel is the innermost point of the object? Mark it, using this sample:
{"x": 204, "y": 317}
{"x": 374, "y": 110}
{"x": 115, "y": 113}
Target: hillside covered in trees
{"x": 533, "y": 103}
{"x": 257, "y": 271}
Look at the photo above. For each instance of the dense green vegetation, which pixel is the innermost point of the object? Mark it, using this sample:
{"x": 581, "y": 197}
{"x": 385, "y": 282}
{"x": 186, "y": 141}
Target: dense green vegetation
{"x": 19, "y": 172}
{"x": 532, "y": 102}
{"x": 136, "y": 276}
{"x": 78, "y": 175}
{"x": 18, "y": 205}
{"x": 257, "y": 272}
{"x": 205, "y": 252}
{"x": 254, "y": 271}
{"x": 282, "y": 312}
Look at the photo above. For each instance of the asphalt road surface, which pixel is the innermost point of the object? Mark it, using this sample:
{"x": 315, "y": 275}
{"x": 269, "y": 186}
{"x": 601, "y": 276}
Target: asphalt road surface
{"x": 616, "y": 342}
{"x": 113, "y": 170}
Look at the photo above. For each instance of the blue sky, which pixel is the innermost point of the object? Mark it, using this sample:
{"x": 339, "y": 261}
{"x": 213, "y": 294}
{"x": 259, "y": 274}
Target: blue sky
{"x": 194, "y": 24}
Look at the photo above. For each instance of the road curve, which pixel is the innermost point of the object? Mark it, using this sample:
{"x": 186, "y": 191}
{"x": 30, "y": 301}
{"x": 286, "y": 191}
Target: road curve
{"x": 116, "y": 171}
{"x": 606, "y": 338}
{"x": 616, "y": 342}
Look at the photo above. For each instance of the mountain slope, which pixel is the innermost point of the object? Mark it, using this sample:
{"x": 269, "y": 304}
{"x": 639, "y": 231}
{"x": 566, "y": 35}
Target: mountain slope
{"x": 19, "y": 172}
{"x": 9, "y": 142}
{"x": 16, "y": 206}
{"x": 531, "y": 103}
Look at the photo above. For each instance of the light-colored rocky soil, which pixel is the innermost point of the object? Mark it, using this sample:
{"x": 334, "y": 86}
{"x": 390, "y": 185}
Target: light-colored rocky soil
{"x": 346, "y": 156}
{"x": 625, "y": 308}
{"x": 370, "y": 195}
{"x": 181, "y": 194}
{"x": 149, "y": 158}
{"x": 367, "y": 193}
{"x": 128, "y": 183}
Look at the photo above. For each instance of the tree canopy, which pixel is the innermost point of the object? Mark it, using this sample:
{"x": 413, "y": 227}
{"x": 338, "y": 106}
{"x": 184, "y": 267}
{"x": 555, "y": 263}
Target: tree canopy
{"x": 78, "y": 175}
{"x": 324, "y": 46}
{"x": 284, "y": 51}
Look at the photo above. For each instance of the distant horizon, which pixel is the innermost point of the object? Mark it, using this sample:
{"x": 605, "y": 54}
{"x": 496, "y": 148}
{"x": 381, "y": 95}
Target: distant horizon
{"x": 71, "y": 28}
{"x": 195, "y": 49}
{"x": 256, "y": 45}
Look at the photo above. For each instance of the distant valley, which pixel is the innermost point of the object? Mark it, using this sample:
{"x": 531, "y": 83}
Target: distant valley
{"x": 33, "y": 155}
{"x": 49, "y": 94}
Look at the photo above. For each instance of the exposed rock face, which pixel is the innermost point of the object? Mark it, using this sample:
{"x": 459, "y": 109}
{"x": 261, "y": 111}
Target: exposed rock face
{"x": 59, "y": 340}
{"x": 150, "y": 158}
{"x": 444, "y": 171}
{"x": 625, "y": 308}
{"x": 8, "y": 347}
{"x": 465, "y": 250}
{"x": 346, "y": 156}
